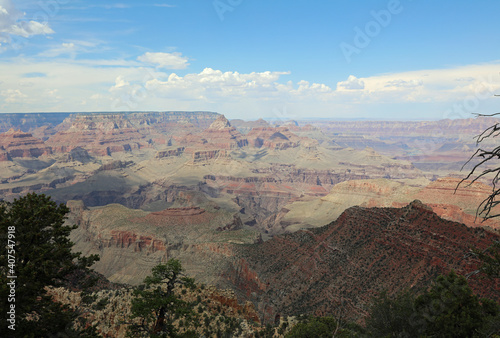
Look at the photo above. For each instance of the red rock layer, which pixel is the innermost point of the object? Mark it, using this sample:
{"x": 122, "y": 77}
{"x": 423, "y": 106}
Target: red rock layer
{"x": 99, "y": 134}
{"x": 19, "y": 144}
{"x": 274, "y": 138}
{"x": 104, "y": 134}
{"x": 220, "y": 135}
{"x": 360, "y": 254}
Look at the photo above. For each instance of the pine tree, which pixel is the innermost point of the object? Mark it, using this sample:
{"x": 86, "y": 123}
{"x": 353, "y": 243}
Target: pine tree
{"x": 36, "y": 249}
{"x": 156, "y": 303}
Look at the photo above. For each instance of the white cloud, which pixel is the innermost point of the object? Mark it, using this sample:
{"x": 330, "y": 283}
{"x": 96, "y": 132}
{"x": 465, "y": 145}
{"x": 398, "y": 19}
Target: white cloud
{"x": 72, "y": 48}
{"x": 128, "y": 85}
{"x": 165, "y": 60}
{"x": 30, "y": 28}
{"x": 352, "y": 83}
{"x": 14, "y": 23}
{"x": 13, "y": 95}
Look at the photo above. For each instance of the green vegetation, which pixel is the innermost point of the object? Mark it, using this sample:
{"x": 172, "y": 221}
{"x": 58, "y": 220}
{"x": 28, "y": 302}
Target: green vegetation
{"x": 490, "y": 260}
{"x": 37, "y": 250}
{"x": 156, "y": 304}
{"x": 314, "y": 327}
{"x": 393, "y": 316}
{"x": 447, "y": 309}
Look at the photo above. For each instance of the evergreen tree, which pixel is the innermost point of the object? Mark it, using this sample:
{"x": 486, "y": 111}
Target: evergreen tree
{"x": 450, "y": 309}
{"x": 394, "y": 317}
{"x": 36, "y": 250}
{"x": 314, "y": 327}
{"x": 156, "y": 303}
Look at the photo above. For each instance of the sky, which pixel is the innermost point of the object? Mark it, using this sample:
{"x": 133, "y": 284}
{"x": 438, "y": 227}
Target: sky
{"x": 293, "y": 59}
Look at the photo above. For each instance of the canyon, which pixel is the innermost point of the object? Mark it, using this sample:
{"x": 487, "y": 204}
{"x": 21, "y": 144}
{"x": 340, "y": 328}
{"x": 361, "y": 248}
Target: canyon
{"x": 294, "y": 216}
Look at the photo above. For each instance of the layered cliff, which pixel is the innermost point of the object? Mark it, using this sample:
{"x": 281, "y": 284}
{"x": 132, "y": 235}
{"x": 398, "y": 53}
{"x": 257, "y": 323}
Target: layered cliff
{"x": 219, "y": 135}
{"x": 455, "y": 205}
{"x": 343, "y": 264}
{"x": 15, "y": 143}
{"x": 130, "y": 242}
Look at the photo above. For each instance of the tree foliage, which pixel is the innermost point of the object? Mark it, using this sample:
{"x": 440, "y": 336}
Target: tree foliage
{"x": 156, "y": 304}
{"x": 40, "y": 244}
{"x": 448, "y": 309}
{"x": 394, "y": 316}
{"x": 314, "y": 327}
{"x": 490, "y": 260}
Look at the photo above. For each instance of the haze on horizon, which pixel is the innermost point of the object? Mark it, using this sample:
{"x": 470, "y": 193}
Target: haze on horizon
{"x": 249, "y": 59}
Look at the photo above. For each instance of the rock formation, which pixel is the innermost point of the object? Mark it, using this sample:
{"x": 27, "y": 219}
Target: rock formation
{"x": 343, "y": 264}
{"x": 273, "y": 138}
{"x": 220, "y": 135}
{"x": 440, "y": 195}
{"x": 15, "y": 143}
{"x": 99, "y": 134}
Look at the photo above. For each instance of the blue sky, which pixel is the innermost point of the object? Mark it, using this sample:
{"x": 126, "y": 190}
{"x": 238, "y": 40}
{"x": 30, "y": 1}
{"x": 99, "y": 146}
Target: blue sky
{"x": 393, "y": 59}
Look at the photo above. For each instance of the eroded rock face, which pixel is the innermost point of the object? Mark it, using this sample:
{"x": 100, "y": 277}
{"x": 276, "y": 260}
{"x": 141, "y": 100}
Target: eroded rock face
{"x": 100, "y": 134}
{"x": 107, "y": 133}
{"x": 30, "y": 121}
{"x": 440, "y": 195}
{"x": 131, "y": 242}
{"x": 220, "y": 135}
{"x": 273, "y": 138}
{"x": 15, "y": 143}
{"x": 170, "y": 152}
{"x": 365, "y": 251}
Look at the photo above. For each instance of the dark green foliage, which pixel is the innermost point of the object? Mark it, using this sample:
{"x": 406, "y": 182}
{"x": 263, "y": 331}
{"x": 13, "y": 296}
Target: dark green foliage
{"x": 450, "y": 309}
{"x": 490, "y": 260}
{"x": 157, "y": 305}
{"x": 43, "y": 257}
{"x": 394, "y": 317}
{"x": 314, "y": 327}
{"x": 101, "y": 304}
{"x": 447, "y": 309}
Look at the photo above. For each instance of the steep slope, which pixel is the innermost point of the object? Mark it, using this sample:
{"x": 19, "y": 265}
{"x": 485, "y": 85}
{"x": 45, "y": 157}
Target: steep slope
{"x": 343, "y": 264}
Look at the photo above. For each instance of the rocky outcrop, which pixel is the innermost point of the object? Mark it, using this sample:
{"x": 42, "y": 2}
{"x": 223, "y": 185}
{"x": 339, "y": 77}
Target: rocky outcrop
{"x": 274, "y": 138}
{"x": 206, "y": 155}
{"x": 245, "y": 126}
{"x": 220, "y": 135}
{"x": 365, "y": 251}
{"x": 15, "y": 143}
{"x": 100, "y": 134}
{"x": 170, "y": 152}
{"x": 79, "y": 154}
